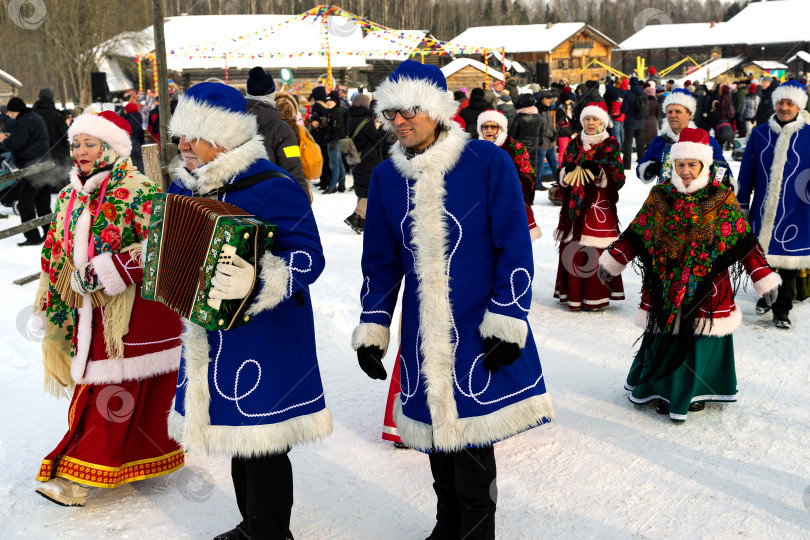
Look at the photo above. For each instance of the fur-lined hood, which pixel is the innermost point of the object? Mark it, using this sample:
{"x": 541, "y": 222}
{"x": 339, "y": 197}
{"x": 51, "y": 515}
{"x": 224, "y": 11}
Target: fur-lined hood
{"x": 223, "y": 168}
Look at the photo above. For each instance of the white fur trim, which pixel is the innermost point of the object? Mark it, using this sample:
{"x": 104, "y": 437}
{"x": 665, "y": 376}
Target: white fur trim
{"x": 792, "y": 93}
{"x": 767, "y": 283}
{"x": 198, "y": 120}
{"x": 408, "y": 93}
{"x": 507, "y": 328}
{"x": 498, "y": 118}
{"x": 774, "y": 188}
{"x": 592, "y": 110}
{"x": 135, "y": 368}
{"x": 195, "y": 429}
{"x": 81, "y": 239}
{"x": 108, "y": 275}
{"x": 698, "y": 183}
{"x": 101, "y": 128}
{"x": 371, "y": 335}
{"x": 275, "y": 277}
{"x": 610, "y": 264}
{"x": 92, "y": 184}
{"x": 692, "y": 150}
{"x": 597, "y": 241}
{"x": 476, "y": 430}
{"x": 678, "y": 98}
{"x": 223, "y": 168}
{"x": 789, "y": 262}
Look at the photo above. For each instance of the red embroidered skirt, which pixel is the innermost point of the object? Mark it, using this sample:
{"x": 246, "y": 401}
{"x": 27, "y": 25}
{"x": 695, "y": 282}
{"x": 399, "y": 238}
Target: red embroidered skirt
{"x": 577, "y": 283}
{"x": 390, "y": 432}
{"x": 117, "y": 434}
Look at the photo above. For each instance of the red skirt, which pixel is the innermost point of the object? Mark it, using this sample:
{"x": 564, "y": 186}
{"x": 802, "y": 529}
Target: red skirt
{"x": 117, "y": 433}
{"x": 390, "y": 432}
{"x": 577, "y": 283}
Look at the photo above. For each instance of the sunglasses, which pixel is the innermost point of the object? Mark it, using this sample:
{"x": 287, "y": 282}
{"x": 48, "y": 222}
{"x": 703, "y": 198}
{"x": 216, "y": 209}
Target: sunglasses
{"x": 406, "y": 114}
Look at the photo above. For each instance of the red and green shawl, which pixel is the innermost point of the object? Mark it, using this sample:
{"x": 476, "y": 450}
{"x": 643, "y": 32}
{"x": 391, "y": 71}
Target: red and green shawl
{"x": 520, "y": 156}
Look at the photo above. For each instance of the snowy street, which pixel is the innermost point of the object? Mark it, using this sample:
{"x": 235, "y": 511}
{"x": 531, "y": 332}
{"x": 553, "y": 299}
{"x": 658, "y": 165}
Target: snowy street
{"x": 605, "y": 469}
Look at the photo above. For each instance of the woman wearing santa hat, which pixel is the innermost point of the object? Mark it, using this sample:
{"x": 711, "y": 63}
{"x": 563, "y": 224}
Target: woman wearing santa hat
{"x": 687, "y": 234}
{"x": 116, "y": 352}
{"x": 591, "y": 176}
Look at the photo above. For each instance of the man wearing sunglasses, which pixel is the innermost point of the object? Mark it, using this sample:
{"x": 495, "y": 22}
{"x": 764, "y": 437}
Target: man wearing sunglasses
{"x": 446, "y": 216}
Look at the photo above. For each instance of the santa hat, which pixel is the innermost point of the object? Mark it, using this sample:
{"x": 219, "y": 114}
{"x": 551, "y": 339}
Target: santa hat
{"x": 681, "y": 97}
{"x": 498, "y": 118}
{"x": 414, "y": 84}
{"x": 213, "y": 112}
{"x": 131, "y": 108}
{"x": 107, "y": 126}
{"x": 598, "y": 110}
{"x": 792, "y": 90}
{"x": 693, "y": 143}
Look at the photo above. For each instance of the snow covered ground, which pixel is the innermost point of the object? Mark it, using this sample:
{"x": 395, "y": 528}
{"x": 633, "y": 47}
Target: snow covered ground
{"x": 605, "y": 469}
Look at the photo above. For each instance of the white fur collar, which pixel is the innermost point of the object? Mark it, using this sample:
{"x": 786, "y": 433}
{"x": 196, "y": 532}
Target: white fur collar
{"x": 700, "y": 182}
{"x": 501, "y": 138}
{"x": 671, "y": 134}
{"x": 792, "y": 127}
{"x": 223, "y": 167}
{"x": 94, "y": 182}
{"x": 438, "y": 159}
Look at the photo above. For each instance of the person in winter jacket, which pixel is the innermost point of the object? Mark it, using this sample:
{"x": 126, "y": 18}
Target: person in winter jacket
{"x": 591, "y": 177}
{"x": 336, "y": 127}
{"x": 633, "y": 122}
{"x": 446, "y": 218}
{"x": 367, "y": 139}
{"x": 565, "y": 124}
{"x": 507, "y": 107}
{"x": 319, "y": 127}
{"x": 254, "y": 391}
{"x": 766, "y": 107}
{"x": 279, "y": 139}
{"x": 653, "y": 121}
{"x": 774, "y": 193}
{"x": 738, "y": 98}
{"x": 133, "y": 117}
{"x": 57, "y": 135}
{"x": 492, "y": 128}
{"x": 27, "y": 142}
{"x": 476, "y": 106}
{"x": 512, "y": 87}
{"x": 526, "y": 128}
{"x": 678, "y": 107}
{"x": 117, "y": 353}
{"x": 546, "y": 150}
{"x": 614, "y": 97}
{"x": 687, "y": 234}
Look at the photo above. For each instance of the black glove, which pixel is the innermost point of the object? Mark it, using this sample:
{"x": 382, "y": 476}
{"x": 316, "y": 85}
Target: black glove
{"x": 498, "y": 352}
{"x": 591, "y": 167}
{"x": 653, "y": 169}
{"x": 568, "y": 167}
{"x": 603, "y": 274}
{"x": 370, "y": 360}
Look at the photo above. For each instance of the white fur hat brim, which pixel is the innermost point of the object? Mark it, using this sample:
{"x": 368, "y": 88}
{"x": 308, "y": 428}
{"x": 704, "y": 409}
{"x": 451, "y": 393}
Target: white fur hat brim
{"x": 197, "y": 120}
{"x": 592, "y": 110}
{"x": 794, "y": 94}
{"x": 100, "y": 128}
{"x": 692, "y": 150}
{"x": 679, "y": 98}
{"x": 407, "y": 93}
{"x": 492, "y": 116}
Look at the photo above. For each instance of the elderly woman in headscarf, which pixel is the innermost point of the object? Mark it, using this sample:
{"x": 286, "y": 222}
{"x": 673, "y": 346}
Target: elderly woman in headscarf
{"x": 115, "y": 351}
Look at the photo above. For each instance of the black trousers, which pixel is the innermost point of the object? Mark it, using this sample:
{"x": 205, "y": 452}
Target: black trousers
{"x": 34, "y": 201}
{"x": 264, "y": 494}
{"x": 466, "y": 494}
{"x": 787, "y": 292}
{"x": 627, "y": 147}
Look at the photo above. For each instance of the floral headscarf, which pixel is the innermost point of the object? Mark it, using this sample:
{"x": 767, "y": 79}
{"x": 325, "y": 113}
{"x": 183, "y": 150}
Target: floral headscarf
{"x": 105, "y": 160}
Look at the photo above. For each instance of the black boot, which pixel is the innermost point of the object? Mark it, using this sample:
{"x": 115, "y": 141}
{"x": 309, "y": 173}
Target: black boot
{"x": 240, "y": 532}
{"x": 353, "y": 221}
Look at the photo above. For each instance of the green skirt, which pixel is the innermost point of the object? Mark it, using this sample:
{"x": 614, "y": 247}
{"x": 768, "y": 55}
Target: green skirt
{"x": 707, "y": 374}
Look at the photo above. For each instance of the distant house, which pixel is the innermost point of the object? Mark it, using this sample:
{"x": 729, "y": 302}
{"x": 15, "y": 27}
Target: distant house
{"x": 763, "y": 37}
{"x": 565, "y": 48}
{"x": 469, "y": 73}
{"x": 8, "y": 86}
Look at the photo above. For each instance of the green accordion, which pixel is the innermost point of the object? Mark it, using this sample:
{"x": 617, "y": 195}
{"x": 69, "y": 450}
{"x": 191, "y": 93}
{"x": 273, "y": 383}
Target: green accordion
{"x": 188, "y": 237}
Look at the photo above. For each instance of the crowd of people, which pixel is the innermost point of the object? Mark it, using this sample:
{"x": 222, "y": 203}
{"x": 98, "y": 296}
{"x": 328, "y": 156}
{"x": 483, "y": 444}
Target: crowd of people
{"x": 443, "y": 181}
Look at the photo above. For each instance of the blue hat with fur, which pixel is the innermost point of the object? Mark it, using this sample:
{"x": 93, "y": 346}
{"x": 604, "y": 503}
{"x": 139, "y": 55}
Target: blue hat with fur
{"x": 213, "y": 112}
{"x": 414, "y": 84}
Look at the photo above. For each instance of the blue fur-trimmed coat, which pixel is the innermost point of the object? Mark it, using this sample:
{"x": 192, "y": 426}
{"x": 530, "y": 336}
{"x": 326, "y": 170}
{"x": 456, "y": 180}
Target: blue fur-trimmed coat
{"x": 775, "y": 190}
{"x": 256, "y": 389}
{"x": 660, "y": 145}
{"x": 451, "y": 224}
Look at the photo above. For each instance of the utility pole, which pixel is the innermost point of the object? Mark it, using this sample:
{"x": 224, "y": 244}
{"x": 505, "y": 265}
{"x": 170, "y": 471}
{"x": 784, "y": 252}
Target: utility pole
{"x": 163, "y": 85}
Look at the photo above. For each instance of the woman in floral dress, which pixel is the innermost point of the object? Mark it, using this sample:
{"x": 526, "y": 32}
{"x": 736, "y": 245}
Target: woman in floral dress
{"x": 117, "y": 353}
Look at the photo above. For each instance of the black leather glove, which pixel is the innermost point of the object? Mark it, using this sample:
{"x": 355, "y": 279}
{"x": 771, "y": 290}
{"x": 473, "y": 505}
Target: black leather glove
{"x": 370, "y": 360}
{"x": 603, "y": 274}
{"x": 568, "y": 167}
{"x": 653, "y": 169}
{"x": 498, "y": 352}
{"x": 591, "y": 167}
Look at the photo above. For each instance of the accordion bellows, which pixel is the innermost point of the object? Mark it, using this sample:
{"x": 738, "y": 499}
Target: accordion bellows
{"x": 188, "y": 237}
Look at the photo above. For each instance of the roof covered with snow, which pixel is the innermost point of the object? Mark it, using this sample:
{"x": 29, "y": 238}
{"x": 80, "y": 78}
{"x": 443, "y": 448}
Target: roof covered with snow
{"x": 759, "y": 23}
{"x": 713, "y": 69}
{"x": 460, "y": 63}
{"x": 522, "y": 38}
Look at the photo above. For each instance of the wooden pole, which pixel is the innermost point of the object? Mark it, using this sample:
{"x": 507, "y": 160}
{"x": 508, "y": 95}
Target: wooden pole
{"x": 163, "y": 84}
{"x": 151, "y": 164}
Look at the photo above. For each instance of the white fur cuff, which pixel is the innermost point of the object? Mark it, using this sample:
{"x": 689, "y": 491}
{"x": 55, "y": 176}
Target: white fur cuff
{"x": 768, "y": 283}
{"x": 108, "y": 275}
{"x": 610, "y": 264}
{"x": 506, "y": 328}
{"x": 642, "y": 168}
{"x": 371, "y": 335}
{"x": 275, "y": 276}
